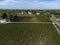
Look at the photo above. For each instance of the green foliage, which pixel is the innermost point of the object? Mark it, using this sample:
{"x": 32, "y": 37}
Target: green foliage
{"x": 57, "y": 16}
{"x": 44, "y": 18}
{"x": 4, "y": 16}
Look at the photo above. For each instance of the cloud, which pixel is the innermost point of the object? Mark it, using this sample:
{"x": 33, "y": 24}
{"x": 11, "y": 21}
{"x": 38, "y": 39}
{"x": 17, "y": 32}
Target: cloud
{"x": 30, "y": 4}
{"x": 4, "y": 2}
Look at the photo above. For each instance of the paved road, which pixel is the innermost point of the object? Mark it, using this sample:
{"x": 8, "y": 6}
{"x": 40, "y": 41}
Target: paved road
{"x": 56, "y": 28}
{"x": 53, "y": 19}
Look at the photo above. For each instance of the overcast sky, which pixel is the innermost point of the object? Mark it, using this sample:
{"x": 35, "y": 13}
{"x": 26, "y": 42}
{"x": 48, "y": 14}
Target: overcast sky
{"x": 29, "y": 4}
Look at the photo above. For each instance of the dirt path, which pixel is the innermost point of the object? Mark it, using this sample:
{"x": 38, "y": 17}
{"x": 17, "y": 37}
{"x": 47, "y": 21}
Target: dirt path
{"x": 33, "y": 22}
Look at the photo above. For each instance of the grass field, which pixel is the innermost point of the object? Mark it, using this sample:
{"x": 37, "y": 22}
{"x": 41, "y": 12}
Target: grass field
{"x": 26, "y": 18}
{"x": 44, "y": 18}
{"x": 33, "y": 18}
{"x": 57, "y": 16}
{"x": 28, "y": 34}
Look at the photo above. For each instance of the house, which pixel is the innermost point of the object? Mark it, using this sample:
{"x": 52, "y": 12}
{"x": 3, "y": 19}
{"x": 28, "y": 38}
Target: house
{"x": 37, "y": 13}
{"x": 29, "y": 13}
{"x": 22, "y": 13}
{"x": 4, "y": 20}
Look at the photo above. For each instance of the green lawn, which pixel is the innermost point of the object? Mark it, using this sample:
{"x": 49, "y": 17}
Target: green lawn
{"x": 28, "y": 34}
{"x": 57, "y": 16}
{"x": 44, "y": 18}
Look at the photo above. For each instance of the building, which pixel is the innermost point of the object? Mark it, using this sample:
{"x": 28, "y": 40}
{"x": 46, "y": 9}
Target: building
{"x": 37, "y": 13}
{"x": 4, "y": 20}
{"x": 29, "y": 13}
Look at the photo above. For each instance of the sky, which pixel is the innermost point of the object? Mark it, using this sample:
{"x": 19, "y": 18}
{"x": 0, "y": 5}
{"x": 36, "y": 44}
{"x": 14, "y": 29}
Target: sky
{"x": 29, "y": 4}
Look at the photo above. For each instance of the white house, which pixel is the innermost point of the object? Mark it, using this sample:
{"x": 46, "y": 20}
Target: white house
{"x": 37, "y": 13}
{"x": 29, "y": 13}
{"x": 4, "y": 20}
{"x": 22, "y": 13}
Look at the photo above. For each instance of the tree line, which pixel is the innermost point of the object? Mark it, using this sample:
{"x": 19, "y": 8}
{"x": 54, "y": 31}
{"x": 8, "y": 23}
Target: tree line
{"x": 11, "y": 17}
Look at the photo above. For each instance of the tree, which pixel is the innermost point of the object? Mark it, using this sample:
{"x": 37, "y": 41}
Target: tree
{"x": 15, "y": 17}
{"x": 33, "y": 11}
{"x": 4, "y": 16}
{"x": 11, "y": 17}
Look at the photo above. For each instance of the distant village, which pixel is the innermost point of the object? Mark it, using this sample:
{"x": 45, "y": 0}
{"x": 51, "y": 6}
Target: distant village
{"x": 11, "y": 15}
